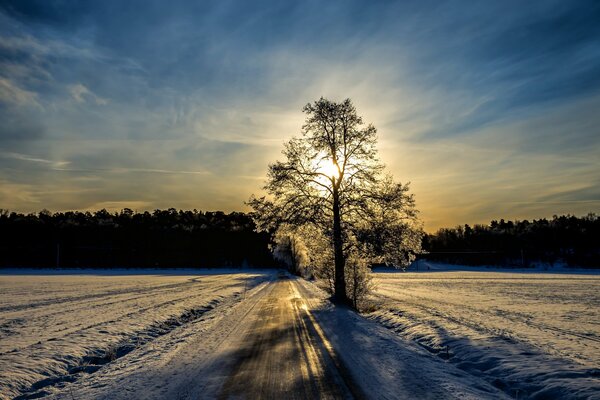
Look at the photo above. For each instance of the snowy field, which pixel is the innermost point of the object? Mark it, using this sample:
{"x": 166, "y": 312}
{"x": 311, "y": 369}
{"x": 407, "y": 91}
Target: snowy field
{"x": 531, "y": 334}
{"x": 170, "y": 334}
{"x": 54, "y": 327}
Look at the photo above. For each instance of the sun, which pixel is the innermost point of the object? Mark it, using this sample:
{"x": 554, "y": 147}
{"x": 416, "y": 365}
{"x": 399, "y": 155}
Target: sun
{"x": 327, "y": 167}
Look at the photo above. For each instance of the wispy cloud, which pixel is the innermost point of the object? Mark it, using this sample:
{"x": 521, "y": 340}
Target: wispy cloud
{"x": 82, "y": 94}
{"x": 12, "y": 94}
{"x": 133, "y": 170}
{"x": 490, "y": 109}
{"x": 24, "y": 157}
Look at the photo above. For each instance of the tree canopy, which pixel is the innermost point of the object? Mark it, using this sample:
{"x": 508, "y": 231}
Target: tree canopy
{"x": 331, "y": 190}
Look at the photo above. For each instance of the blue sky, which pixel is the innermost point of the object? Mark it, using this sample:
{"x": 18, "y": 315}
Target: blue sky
{"x": 490, "y": 109}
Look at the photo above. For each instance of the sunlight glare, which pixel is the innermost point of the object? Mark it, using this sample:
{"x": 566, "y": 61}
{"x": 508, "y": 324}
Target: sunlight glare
{"x": 328, "y": 168}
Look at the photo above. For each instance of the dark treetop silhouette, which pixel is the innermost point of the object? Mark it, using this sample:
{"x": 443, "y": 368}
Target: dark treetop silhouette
{"x": 333, "y": 182}
{"x": 163, "y": 238}
{"x": 567, "y": 238}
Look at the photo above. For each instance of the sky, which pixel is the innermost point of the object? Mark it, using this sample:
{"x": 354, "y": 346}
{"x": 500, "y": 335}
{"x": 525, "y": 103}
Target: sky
{"x": 491, "y": 109}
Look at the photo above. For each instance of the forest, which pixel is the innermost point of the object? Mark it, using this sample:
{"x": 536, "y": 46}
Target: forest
{"x": 567, "y": 239}
{"x": 163, "y": 238}
{"x": 178, "y": 238}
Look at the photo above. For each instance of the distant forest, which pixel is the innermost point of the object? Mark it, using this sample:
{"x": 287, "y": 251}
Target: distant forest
{"x": 572, "y": 240}
{"x": 172, "y": 238}
{"x": 163, "y": 238}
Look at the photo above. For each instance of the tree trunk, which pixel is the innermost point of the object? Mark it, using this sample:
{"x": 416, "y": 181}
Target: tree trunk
{"x": 340, "y": 279}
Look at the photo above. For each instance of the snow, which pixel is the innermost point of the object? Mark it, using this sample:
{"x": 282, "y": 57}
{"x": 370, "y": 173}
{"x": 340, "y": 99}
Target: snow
{"x": 554, "y": 268}
{"x": 531, "y": 334}
{"x": 104, "y": 334}
{"x": 58, "y": 325}
{"x": 382, "y": 365}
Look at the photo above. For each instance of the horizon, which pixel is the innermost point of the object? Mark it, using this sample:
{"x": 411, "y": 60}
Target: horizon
{"x": 110, "y": 105}
{"x": 228, "y": 212}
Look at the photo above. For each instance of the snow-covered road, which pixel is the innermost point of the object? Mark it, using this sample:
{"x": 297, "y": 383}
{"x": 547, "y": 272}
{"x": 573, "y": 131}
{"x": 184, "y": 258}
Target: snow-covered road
{"x": 281, "y": 355}
{"x": 253, "y": 335}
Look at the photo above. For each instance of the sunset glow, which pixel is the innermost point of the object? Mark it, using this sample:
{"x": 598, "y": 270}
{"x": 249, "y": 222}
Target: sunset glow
{"x": 187, "y": 106}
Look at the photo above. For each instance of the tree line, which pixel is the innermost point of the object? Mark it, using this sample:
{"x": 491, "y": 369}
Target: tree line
{"x": 567, "y": 238}
{"x": 163, "y": 238}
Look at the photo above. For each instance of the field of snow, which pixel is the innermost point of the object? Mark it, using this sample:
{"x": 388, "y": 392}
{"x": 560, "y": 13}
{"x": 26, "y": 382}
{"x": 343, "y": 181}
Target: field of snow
{"x": 250, "y": 351}
{"x": 54, "y": 327}
{"x": 174, "y": 334}
{"x": 533, "y": 335}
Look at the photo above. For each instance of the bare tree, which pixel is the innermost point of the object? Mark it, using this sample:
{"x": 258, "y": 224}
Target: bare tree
{"x": 332, "y": 179}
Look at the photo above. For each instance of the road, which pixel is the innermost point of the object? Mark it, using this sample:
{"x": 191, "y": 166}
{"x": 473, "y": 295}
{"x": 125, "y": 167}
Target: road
{"x": 284, "y": 354}
{"x": 264, "y": 342}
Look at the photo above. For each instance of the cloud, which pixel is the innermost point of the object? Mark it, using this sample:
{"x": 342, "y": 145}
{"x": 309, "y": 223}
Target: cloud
{"x": 117, "y": 170}
{"x": 534, "y": 167}
{"x": 488, "y": 117}
{"x": 38, "y": 160}
{"x": 82, "y": 94}
{"x": 11, "y": 94}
